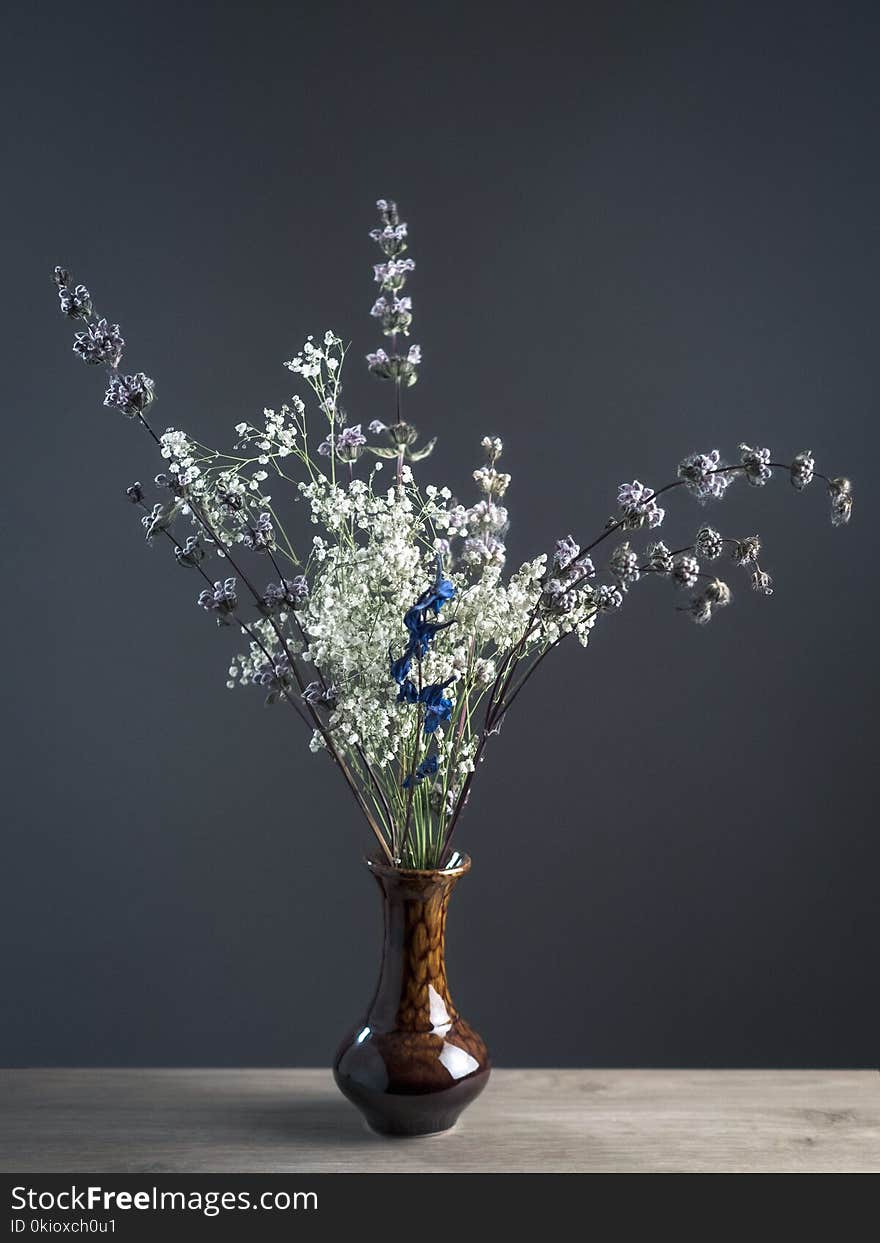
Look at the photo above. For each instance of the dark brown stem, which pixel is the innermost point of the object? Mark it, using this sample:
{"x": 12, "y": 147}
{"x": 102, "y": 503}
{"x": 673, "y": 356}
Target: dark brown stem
{"x": 505, "y": 705}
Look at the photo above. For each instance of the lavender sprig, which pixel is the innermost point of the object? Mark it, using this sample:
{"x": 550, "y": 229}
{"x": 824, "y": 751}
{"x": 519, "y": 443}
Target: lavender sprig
{"x": 394, "y": 310}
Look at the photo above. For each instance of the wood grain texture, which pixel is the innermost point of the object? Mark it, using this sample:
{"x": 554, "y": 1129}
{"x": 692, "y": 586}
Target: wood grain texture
{"x": 249, "y": 1121}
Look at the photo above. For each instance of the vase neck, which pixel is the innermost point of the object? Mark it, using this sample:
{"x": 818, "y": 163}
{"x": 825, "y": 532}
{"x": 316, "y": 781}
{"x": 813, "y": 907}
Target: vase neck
{"x": 413, "y": 994}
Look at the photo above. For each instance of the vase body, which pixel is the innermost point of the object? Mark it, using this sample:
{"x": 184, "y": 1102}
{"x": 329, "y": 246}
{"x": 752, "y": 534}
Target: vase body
{"x": 413, "y": 1064}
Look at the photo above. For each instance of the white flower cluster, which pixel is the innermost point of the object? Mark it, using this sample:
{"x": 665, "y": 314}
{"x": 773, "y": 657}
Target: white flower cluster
{"x": 280, "y": 435}
{"x": 181, "y": 454}
{"x": 373, "y": 554}
{"x": 318, "y": 362}
{"x": 364, "y": 578}
{"x": 375, "y": 558}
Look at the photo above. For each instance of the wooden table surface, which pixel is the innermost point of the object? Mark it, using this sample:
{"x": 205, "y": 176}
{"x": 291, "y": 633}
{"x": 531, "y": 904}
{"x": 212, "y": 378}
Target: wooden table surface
{"x": 249, "y": 1121}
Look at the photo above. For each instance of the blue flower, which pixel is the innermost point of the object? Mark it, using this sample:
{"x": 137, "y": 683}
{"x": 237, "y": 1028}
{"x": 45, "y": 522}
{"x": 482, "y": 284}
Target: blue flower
{"x": 423, "y": 637}
{"x": 437, "y": 707}
{"x": 414, "y": 620}
{"x": 400, "y": 668}
{"x": 441, "y": 593}
{"x": 421, "y": 631}
{"x": 408, "y": 693}
{"x": 427, "y": 768}
{"x": 435, "y": 597}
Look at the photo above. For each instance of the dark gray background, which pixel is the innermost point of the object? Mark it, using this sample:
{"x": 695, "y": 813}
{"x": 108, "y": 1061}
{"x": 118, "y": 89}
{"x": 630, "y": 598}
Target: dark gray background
{"x": 640, "y": 230}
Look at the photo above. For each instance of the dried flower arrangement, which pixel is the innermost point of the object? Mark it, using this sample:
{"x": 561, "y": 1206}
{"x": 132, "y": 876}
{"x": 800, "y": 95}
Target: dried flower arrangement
{"x": 394, "y": 635}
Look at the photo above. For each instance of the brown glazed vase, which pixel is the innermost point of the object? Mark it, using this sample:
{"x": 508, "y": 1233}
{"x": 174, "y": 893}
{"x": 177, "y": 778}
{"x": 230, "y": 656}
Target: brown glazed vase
{"x": 412, "y": 1065}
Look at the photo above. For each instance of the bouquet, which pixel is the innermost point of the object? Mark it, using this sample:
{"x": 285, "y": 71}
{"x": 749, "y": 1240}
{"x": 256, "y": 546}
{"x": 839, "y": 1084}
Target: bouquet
{"x": 375, "y": 610}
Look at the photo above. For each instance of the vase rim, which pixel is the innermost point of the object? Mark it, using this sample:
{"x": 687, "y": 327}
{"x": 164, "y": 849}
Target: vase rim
{"x": 457, "y": 866}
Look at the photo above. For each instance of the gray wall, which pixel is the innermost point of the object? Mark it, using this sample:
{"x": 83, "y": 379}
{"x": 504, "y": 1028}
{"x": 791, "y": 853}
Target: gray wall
{"x": 640, "y": 230}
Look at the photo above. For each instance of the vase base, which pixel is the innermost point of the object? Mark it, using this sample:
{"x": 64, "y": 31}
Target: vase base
{"x": 412, "y": 1114}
